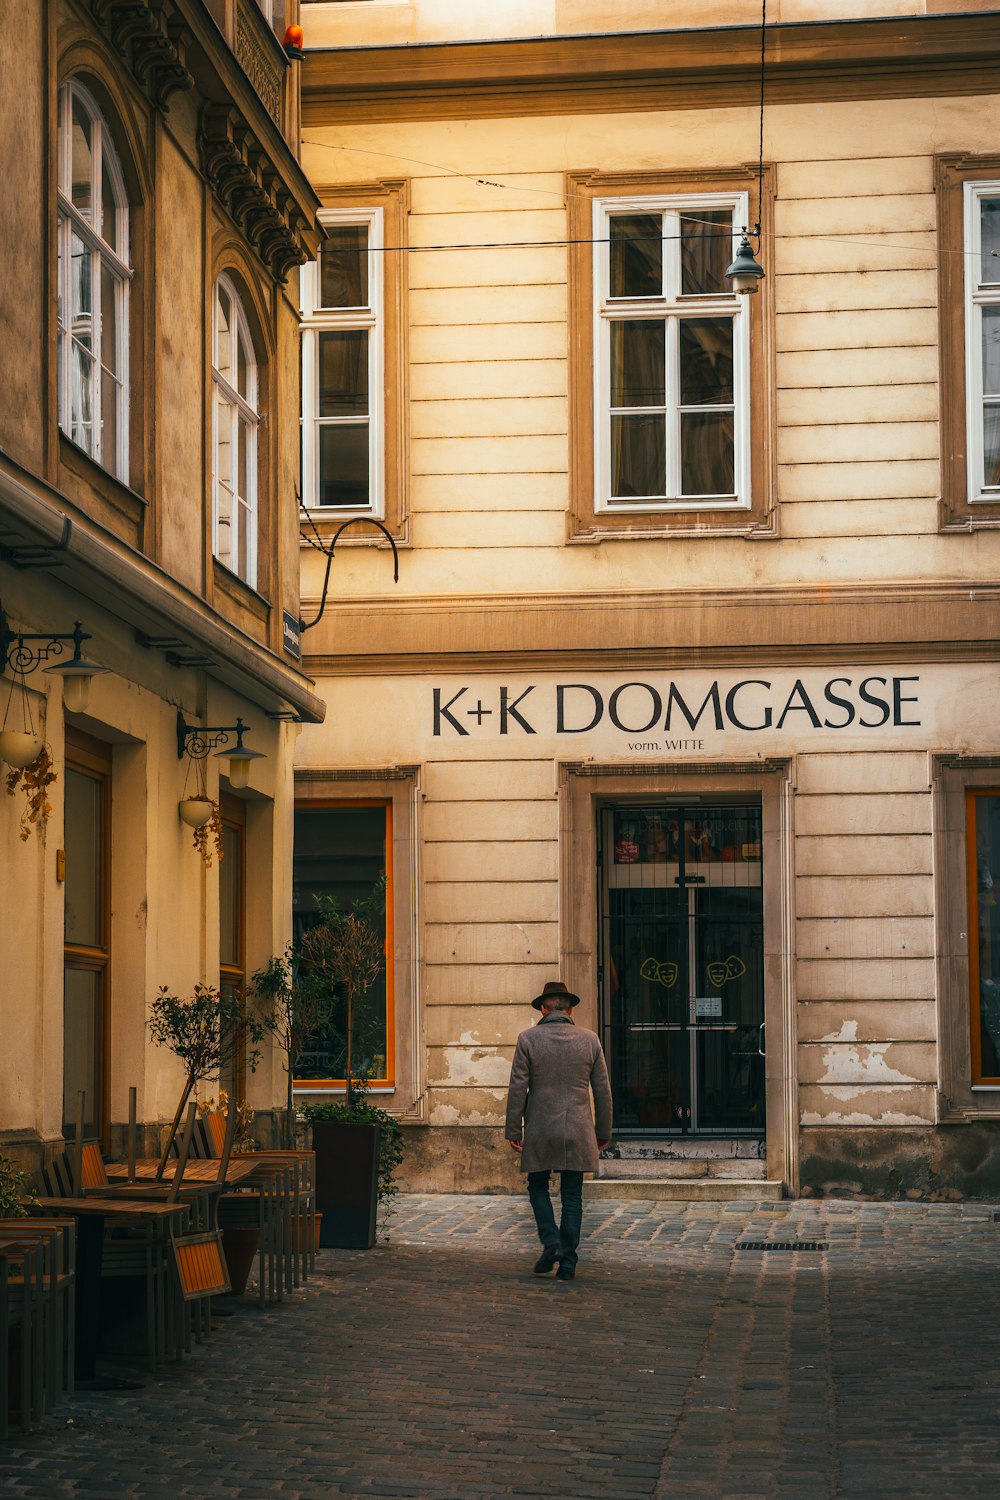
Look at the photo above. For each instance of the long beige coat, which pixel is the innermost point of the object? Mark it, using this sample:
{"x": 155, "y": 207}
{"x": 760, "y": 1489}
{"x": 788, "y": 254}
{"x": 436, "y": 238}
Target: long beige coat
{"x": 556, "y": 1066}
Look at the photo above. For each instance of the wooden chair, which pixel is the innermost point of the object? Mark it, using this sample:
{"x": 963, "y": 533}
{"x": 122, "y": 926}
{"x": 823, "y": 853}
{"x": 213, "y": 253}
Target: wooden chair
{"x": 48, "y": 1370}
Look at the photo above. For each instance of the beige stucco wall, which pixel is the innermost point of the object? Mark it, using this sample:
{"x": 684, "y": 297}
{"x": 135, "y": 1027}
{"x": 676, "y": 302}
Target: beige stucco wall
{"x": 855, "y": 288}
{"x": 493, "y": 918}
{"x": 156, "y": 536}
{"x": 854, "y": 277}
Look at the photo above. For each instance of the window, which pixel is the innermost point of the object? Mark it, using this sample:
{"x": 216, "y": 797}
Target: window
{"x": 235, "y": 421}
{"x": 671, "y": 378}
{"x": 342, "y": 364}
{"x": 672, "y": 355}
{"x": 968, "y": 205}
{"x": 93, "y": 283}
{"x": 982, "y": 339}
{"x": 341, "y": 850}
{"x": 355, "y": 459}
{"x": 86, "y": 961}
{"x": 983, "y": 855}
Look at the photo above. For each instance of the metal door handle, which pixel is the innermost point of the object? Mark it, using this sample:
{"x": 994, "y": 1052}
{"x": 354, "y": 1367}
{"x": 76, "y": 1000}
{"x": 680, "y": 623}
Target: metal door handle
{"x": 760, "y": 1040}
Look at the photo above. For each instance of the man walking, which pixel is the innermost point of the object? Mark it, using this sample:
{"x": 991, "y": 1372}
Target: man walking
{"x": 556, "y": 1067}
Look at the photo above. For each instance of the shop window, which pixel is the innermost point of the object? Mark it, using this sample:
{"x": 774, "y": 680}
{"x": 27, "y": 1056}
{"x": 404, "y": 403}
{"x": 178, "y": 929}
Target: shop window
{"x": 341, "y": 854}
{"x": 353, "y": 323}
{"x": 94, "y": 275}
{"x": 670, "y": 396}
{"x": 968, "y": 189}
{"x": 87, "y": 939}
{"x": 235, "y": 420}
{"x": 983, "y": 852}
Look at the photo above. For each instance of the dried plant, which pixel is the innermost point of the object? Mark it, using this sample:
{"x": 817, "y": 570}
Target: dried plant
{"x": 212, "y": 830}
{"x": 35, "y": 780}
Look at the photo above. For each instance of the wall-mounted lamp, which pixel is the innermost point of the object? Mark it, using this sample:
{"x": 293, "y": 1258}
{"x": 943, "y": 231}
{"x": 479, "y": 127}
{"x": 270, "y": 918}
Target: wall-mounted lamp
{"x": 23, "y": 652}
{"x": 744, "y": 272}
{"x": 198, "y": 743}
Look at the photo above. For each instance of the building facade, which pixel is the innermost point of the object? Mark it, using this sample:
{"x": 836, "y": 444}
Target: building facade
{"x": 154, "y": 219}
{"x": 687, "y": 692}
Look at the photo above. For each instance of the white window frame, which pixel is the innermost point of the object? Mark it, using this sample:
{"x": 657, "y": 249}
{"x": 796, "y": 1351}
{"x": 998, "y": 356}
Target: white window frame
{"x": 669, "y": 307}
{"x": 71, "y": 222}
{"x": 317, "y": 320}
{"x": 979, "y": 293}
{"x": 245, "y": 507}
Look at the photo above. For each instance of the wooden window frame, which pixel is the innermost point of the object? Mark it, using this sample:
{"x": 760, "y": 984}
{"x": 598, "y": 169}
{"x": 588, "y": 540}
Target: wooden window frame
{"x": 588, "y": 521}
{"x": 92, "y": 758}
{"x": 955, "y": 177}
{"x": 232, "y": 813}
{"x": 244, "y": 410}
{"x": 385, "y": 206}
{"x": 387, "y": 1083}
{"x": 961, "y": 1099}
{"x": 978, "y": 1078}
{"x": 117, "y": 260}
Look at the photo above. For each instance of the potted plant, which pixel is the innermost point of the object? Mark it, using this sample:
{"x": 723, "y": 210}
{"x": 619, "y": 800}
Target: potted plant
{"x": 294, "y": 1007}
{"x": 14, "y": 1188}
{"x": 204, "y": 1031}
{"x": 339, "y": 959}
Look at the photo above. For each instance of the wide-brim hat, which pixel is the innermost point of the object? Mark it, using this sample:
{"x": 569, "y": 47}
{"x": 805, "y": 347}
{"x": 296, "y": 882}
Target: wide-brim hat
{"x": 551, "y": 988}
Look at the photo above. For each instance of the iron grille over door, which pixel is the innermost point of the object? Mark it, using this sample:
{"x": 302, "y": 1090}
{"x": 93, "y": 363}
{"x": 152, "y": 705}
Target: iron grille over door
{"x": 681, "y": 962}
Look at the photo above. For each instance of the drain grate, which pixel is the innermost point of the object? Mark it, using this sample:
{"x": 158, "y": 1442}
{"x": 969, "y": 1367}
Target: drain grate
{"x": 782, "y": 1245}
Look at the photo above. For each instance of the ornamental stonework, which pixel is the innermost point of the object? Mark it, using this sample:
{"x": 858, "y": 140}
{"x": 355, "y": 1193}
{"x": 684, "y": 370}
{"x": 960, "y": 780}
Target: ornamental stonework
{"x": 149, "y": 37}
{"x": 263, "y": 71}
{"x": 252, "y": 190}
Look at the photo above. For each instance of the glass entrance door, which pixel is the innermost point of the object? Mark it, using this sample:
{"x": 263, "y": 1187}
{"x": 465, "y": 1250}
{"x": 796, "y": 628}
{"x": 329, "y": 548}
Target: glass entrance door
{"x": 681, "y": 967}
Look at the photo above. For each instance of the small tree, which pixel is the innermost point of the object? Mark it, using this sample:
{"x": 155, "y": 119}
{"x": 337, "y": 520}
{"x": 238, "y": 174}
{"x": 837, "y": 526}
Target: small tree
{"x": 293, "y": 1008}
{"x": 205, "y": 1031}
{"x": 345, "y": 951}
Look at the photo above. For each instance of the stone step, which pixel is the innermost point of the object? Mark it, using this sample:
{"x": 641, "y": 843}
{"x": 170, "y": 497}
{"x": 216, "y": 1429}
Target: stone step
{"x": 679, "y": 1189}
{"x": 684, "y": 1167}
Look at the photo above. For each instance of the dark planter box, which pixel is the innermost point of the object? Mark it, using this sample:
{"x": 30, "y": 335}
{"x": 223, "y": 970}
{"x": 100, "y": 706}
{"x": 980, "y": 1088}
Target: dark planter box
{"x": 346, "y": 1182}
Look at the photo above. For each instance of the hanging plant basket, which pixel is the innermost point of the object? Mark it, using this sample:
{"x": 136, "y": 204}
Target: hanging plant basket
{"x": 196, "y": 811}
{"x": 34, "y": 780}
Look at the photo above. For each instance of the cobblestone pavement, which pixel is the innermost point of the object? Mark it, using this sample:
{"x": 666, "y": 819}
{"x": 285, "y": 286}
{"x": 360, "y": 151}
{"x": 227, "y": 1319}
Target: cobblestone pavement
{"x": 676, "y": 1365}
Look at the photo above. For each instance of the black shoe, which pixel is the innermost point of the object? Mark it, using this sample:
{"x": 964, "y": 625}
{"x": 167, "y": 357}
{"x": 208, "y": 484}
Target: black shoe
{"x": 546, "y": 1260}
{"x": 565, "y": 1273}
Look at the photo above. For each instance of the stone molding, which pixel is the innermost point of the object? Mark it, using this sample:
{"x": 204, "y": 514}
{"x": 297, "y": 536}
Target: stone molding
{"x": 251, "y": 189}
{"x": 265, "y": 72}
{"x": 149, "y": 36}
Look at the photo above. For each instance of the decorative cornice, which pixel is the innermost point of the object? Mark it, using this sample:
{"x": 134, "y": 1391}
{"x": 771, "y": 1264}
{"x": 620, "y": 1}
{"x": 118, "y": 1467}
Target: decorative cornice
{"x": 767, "y": 766}
{"x": 305, "y": 774}
{"x": 696, "y": 67}
{"x": 150, "y": 37}
{"x": 250, "y": 187}
{"x": 785, "y": 624}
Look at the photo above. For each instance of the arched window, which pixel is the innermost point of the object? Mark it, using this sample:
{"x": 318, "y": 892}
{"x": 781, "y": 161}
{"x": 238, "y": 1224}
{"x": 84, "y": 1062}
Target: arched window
{"x": 234, "y": 435}
{"x": 94, "y": 277}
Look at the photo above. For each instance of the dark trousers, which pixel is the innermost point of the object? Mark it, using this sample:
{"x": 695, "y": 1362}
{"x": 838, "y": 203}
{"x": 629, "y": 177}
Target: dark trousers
{"x": 567, "y": 1237}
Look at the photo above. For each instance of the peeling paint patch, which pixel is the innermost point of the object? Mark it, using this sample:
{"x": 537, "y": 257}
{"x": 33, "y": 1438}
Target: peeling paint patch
{"x": 471, "y": 1039}
{"x": 482, "y": 1067}
{"x": 447, "y": 1114}
{"x": 847, "y": 1033}
{"x": 887, "y": 1117}
{"x": 844, "y": 1064}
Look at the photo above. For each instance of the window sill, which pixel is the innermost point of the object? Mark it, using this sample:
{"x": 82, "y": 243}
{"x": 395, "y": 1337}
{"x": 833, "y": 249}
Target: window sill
{"x": 326, "y": 522}
{"x": 125, "y": 500}
{"x": 616, "y": 527}
{"x": 239, "y": 591}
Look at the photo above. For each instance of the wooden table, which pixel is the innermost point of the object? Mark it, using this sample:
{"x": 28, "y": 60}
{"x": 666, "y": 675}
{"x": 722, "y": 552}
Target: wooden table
{"x": 91, "y": 1214}
{"x": 200, "y": 1172}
